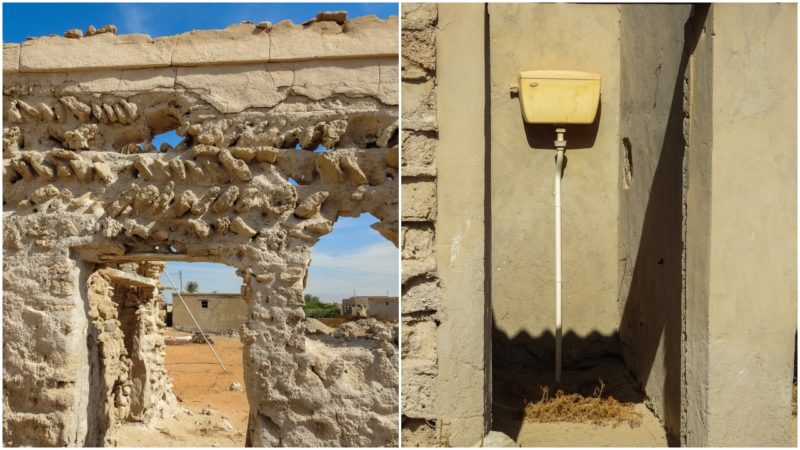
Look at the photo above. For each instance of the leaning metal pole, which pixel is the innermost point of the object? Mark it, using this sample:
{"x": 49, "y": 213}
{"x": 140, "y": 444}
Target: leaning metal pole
{"x": 195, "y": 321}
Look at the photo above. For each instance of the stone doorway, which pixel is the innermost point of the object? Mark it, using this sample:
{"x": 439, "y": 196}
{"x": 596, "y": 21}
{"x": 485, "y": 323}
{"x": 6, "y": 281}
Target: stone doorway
{"x": 128, "y": 381}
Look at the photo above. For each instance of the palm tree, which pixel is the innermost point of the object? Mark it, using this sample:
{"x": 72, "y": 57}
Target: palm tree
{"x": 192, "y": 287}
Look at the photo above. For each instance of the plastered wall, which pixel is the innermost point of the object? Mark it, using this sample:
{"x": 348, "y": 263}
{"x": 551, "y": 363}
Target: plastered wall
{"x": 679, "y": 206}
{"x": 741, "y": 242}
{"x": 655, "y": 44}
{"x": 574, "y": 37}
{"x": 224, "y": 313}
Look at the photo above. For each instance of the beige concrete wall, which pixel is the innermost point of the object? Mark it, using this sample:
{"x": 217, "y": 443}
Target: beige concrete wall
{"x": 679, "y": 212}
{"x": 542, "y": 36}
{"x": 651, "y": 200}
{"x": 384, "y": 308}
{"x": 224, "y": 312}
{"x": 746, "y": 203}
{"x": 464, "y": 336}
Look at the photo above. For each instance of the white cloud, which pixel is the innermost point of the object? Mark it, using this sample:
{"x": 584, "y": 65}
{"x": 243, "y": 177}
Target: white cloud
{"x": 379, "y": 258}
{"x": 369, "y": 270}
{"x": 135, "y": 18}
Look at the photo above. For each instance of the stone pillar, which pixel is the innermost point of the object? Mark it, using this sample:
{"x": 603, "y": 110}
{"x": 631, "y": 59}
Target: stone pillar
{"x": 741, "y": 223}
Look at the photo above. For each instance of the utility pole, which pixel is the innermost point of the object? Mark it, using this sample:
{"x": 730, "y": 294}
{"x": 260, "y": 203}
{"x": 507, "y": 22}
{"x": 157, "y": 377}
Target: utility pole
{"x": 180, "y": 275}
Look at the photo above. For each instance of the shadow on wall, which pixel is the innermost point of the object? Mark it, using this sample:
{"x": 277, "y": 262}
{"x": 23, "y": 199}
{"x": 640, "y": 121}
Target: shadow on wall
{"x": 524, "y": 364}
{"x": 581, "y": 137}
{"x": 653, "y": 311}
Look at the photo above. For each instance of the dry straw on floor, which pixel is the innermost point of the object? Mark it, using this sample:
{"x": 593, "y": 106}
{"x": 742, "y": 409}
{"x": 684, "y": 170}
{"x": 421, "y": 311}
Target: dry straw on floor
{"x": 578, "y": 408}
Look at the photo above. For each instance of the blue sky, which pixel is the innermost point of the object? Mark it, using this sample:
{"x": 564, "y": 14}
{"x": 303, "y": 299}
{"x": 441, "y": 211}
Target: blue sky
{"x": 353, "y": 255}
{"x": 163, "y": 19}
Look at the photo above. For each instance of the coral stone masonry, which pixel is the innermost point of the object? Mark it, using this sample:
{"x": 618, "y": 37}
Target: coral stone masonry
{"x": 91, "y": 209}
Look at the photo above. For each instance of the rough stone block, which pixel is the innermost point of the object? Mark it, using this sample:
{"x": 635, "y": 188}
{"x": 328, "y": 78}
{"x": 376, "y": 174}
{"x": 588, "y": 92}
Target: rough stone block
{"x": 419, "y": 155}
{"x": 419, "y": 54}
{"x": 419, "y": 106}
{"x": 419, "y": 340}
{"x": 236, "y": 44}
{"x": 419, "y": 201}
{"x": 421, "y": 296}
{"x": 235, "y": 88}
{"x": 319, "y": 79}
{"x": 10, "y": 58}
{"x": 387, "y": 90}
{"x": 418, "y": 242}
{"x": 147, "y": 79}
{"x": 418, "y": 16}
{"x": 425, "y": 268}
{"x": 365, "y": 36}
{"x": 419, "y": 379}
{"x": 99, "y": 51}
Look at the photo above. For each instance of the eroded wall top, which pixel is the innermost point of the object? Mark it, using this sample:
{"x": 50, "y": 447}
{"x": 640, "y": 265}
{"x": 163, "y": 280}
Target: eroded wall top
{"x": 327, "y": 37}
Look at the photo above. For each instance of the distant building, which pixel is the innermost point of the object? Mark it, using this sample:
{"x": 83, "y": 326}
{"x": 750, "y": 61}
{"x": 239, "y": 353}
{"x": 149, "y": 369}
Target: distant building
{"x": 216, "y": 313}
{"x": 379, "y": 307}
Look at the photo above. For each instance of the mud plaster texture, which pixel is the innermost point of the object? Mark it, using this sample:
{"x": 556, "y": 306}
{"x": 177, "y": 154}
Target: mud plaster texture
{"x": 669, "y": 264}
{"x": 90, "y": 207}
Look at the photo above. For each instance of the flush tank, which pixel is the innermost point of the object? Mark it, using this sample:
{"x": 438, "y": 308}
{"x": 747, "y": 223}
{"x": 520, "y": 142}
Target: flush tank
{"x": 559, "y": 96}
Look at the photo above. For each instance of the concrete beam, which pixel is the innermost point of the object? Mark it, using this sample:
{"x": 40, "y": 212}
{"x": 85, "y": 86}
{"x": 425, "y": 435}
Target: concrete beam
{"x": 130, "y": 279}
{"x": 364, "y": 37}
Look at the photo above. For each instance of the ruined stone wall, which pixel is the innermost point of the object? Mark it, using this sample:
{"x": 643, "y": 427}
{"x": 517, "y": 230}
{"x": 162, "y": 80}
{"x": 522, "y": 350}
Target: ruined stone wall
{"x": 447, "y": 328}
{"x": 421, "y": 290}
{"x": 126, "y": 349}
{"x": 285, "y": 127}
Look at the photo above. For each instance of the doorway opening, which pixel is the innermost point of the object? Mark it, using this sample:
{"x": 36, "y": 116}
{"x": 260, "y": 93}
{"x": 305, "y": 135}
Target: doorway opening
{"x": 155, "y": 385}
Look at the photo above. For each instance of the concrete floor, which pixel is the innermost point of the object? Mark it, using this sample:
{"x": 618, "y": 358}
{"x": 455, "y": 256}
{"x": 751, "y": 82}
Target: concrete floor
{"x": 512, "y": 388}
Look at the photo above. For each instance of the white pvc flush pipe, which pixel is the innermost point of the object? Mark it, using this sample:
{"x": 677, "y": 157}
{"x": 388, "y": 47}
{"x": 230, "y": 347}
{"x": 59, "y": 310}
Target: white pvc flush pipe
{"x": 560, "y": 145}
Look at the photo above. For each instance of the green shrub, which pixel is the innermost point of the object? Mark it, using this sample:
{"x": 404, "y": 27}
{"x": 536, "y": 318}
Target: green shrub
{"x": 317, "y": 309}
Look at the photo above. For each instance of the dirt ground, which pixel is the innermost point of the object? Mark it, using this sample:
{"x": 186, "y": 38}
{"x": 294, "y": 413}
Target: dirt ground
{"x": 215, "y": 415}
{"x": 513, "y": 389}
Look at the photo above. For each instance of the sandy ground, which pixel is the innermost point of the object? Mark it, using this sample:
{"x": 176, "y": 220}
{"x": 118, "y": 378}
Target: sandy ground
{"x": 214, "y": 415}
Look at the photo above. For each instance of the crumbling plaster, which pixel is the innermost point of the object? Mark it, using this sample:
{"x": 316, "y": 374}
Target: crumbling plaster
{"x": 84, "y": 189}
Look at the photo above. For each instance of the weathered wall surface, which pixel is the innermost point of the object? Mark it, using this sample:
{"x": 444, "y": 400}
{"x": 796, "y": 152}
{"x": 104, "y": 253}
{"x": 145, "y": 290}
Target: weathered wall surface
{"x": 421, "y": 306}
{"x": 653, "y": 68}
{"x": 84, "y": 189}
{"x": 127, "y": 351}
{"x": 574, "y": 37}
{"x": 679, "y": 208}
{"x": 746, "y": 201}
{"x": 379, "y": 307}
{"x": 225, "y": 312}
{"x": 464, "y": 335}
